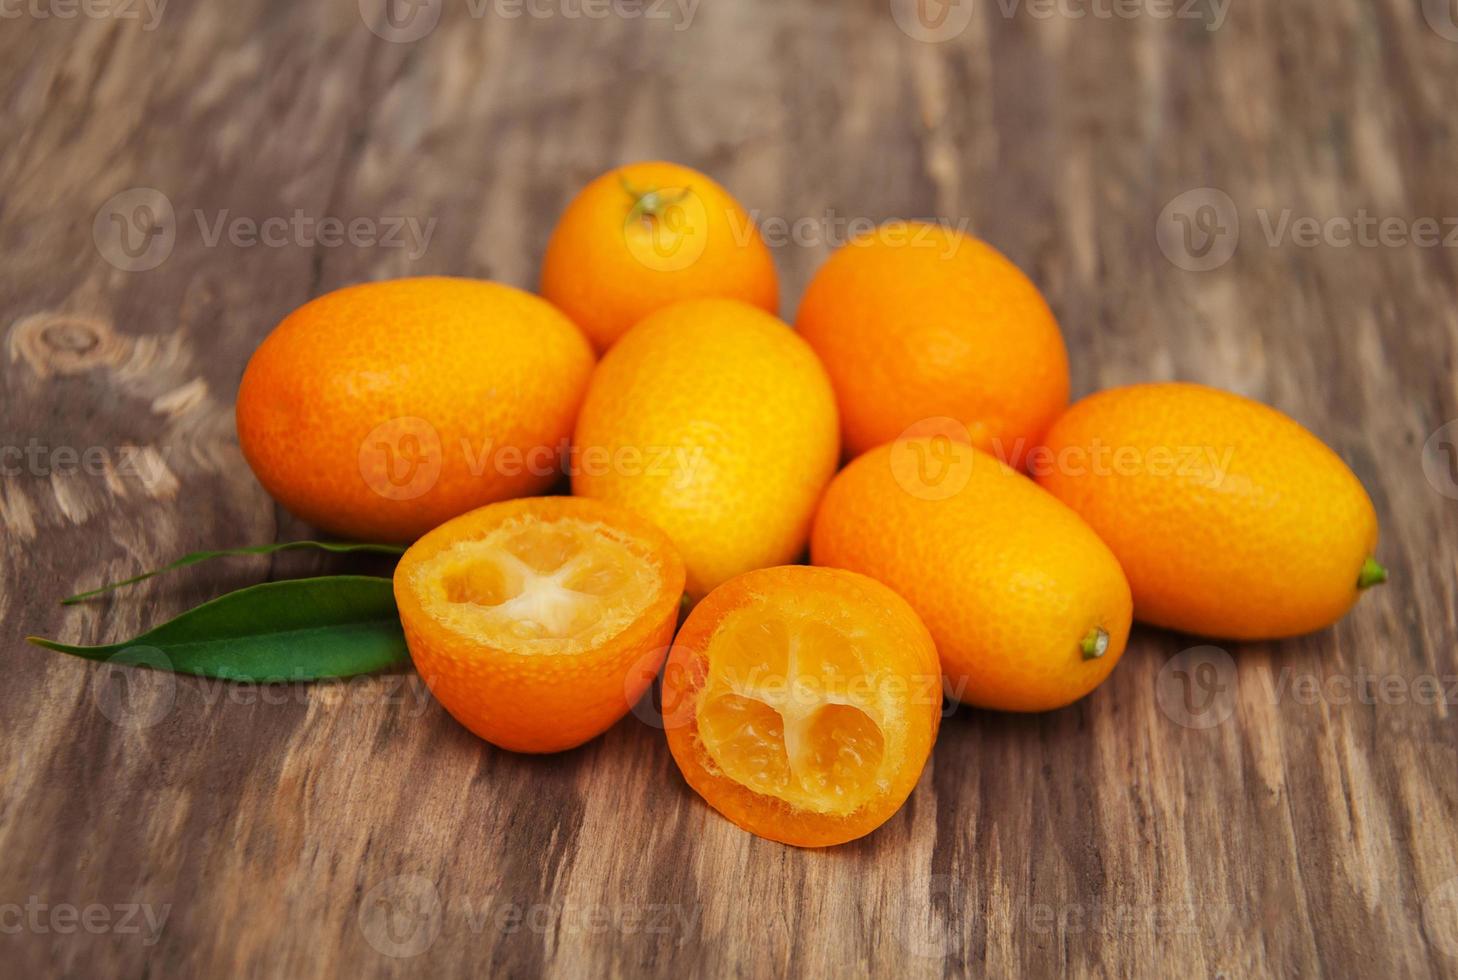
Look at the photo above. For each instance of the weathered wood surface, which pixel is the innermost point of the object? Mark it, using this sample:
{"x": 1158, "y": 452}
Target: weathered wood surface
{"x": 1261, "y": 810}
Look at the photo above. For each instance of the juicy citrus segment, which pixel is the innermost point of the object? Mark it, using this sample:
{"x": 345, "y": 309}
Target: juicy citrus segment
{"x": 776, "y": 713}
{"x": 537, "y": 623}
{"x": 539, "y": 587}
{"x": 746, "y": 737}
{"x": 802, "y": 703}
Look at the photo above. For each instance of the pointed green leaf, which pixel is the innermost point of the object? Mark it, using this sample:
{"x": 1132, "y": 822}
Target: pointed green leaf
{"x": 294, "y": 630}
{"x": 340, "y": 548}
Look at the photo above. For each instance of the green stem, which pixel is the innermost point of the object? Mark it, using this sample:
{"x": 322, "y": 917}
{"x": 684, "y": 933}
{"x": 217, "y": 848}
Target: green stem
{"x": 1371, "y": 574}
{"x": 1095, "y": 644}
{"x": 650, "y": 204}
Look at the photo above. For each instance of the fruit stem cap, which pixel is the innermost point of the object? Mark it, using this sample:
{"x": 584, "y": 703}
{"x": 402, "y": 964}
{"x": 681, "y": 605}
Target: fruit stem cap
{"x": 1095, "y": 644}
{"x": 1372, "y": 573}
{"x": 650, "y": 203}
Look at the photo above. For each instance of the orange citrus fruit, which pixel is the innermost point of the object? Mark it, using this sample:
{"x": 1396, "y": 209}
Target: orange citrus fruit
{"x": 539, "y": 622}
{"x": 1029, "y": 608}
{"x": 1230, "y": 519}
{"x": 916, "y": 321}
{"x": 380, "y": 410}
{"x": 648, "y": 234}
{"x": 713, "y": 420}
{"x": 802, "y": 703}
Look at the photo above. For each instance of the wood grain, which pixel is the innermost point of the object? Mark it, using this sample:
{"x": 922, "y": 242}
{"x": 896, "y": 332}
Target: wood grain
{"x": 280, "y": 829}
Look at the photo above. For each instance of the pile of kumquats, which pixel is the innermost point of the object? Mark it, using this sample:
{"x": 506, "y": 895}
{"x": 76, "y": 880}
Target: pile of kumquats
{"x": 969, "y": 534}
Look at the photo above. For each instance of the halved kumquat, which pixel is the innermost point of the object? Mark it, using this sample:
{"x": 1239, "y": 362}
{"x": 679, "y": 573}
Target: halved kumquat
{"x": 802, "y": 703}
{"x": 539, "y": 622}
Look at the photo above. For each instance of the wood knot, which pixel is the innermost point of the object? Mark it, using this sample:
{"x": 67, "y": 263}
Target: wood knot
{"x": 70, "y": 337}
{"x": 66, "y": 343}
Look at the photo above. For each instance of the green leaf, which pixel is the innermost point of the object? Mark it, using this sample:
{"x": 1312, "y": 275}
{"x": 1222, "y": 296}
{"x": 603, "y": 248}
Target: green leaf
{"x": 262, "y": 549}
{"x": 294, "y": 630}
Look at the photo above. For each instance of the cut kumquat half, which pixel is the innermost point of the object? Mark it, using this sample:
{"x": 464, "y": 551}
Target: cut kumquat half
{"x": 802, "y": 703}
{"x": 539, "y": 622}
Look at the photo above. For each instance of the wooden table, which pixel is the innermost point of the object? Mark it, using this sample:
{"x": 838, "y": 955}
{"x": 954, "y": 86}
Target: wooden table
{"x": 1261, "y": 809}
